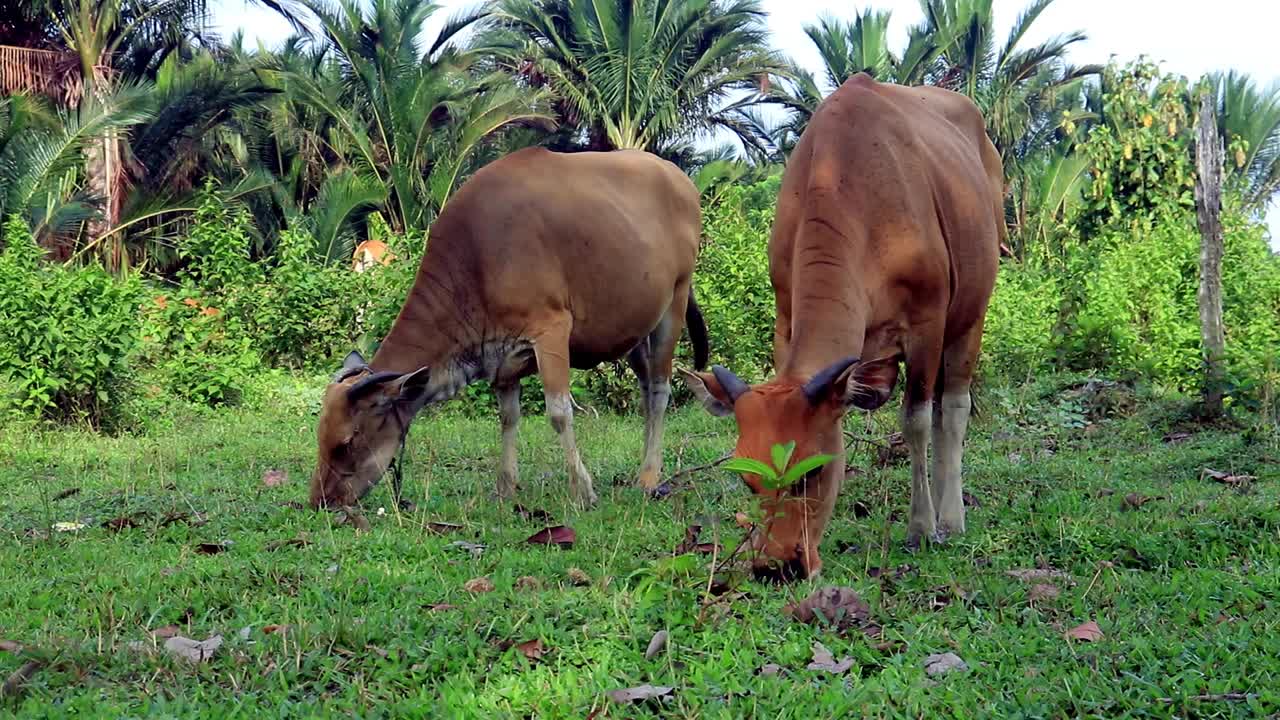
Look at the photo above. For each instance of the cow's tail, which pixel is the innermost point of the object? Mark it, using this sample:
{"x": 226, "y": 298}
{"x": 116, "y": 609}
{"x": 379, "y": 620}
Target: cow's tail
{"x": 697, "y": 332}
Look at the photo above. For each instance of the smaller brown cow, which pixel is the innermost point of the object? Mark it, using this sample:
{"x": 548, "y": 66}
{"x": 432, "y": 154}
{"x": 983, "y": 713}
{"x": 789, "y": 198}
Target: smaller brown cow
{"x": 542, "y": 261}
{"x": 884, "y": 250}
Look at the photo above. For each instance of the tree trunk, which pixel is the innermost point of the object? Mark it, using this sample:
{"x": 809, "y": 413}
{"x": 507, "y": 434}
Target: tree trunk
{"x": 1208, "y": 209}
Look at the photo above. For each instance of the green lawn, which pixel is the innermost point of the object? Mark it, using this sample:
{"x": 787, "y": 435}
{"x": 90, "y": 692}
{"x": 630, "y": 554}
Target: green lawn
{"x": 1185, "y": 587}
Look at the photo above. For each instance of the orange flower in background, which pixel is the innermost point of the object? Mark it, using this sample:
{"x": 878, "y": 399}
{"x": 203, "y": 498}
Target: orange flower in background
{"x": 162, "y": 302}
{"x": 210, "y": 311}
{"x": 191, "y": 302}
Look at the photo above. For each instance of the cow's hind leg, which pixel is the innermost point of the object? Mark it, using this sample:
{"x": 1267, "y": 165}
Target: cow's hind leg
{"x": 509, "y": 415}
{"x": 950, "y": 423}
{"x": 652, "y": 360}
{"x": 552, "y": 351}
{"x": 922, "y": 363}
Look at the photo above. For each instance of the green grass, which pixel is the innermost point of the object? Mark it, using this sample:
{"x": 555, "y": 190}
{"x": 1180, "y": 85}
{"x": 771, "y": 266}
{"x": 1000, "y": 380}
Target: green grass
{"x": 1185, "y": 587}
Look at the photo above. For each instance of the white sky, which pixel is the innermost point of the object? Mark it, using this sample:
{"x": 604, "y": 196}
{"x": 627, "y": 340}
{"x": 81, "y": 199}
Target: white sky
{"x": 1185, "y": 36}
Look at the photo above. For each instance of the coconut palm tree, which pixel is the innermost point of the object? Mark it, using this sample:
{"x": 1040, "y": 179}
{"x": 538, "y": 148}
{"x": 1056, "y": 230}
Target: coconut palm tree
{"x": 403, "y": 120}
{"x": 636, "y": 73}
{"x": 1249, "y": 121}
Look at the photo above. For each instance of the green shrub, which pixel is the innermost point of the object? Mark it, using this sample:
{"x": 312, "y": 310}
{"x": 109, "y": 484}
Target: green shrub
{"x": 304, "y": 313}
{"x": 1139, "y": 312}
{"x": 66, "y": 334}
{"x": 1018, "y": 336}
{"x": 732, "y": 279}
{"x": 200, "y": 352}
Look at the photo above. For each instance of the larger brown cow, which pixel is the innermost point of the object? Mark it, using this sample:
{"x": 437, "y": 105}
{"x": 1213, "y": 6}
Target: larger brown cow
{"x": 541, "y": 262}
{"x": 884, "y": 249}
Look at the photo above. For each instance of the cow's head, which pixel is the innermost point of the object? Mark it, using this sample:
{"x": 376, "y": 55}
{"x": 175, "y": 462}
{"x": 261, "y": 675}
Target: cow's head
{"x": 807, "y": 412}
{"x": 363, "y": 420}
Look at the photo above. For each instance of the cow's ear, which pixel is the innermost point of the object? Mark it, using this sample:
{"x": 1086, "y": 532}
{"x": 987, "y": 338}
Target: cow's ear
{"x": 867, "y": 386}
{"x": 708, "y": 391}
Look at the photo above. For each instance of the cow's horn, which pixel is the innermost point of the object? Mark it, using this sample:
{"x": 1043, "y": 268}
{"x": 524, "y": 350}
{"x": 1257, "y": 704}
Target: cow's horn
{"x": 730, "y": 383}
{"x": 816, "y": 389}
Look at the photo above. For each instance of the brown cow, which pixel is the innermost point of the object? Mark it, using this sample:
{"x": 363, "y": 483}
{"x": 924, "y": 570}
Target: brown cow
{"x": 541, "y": 262}
{"x": 884, "y": 248}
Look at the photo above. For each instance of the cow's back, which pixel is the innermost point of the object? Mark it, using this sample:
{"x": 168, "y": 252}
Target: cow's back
{"x": 607, "y": 235}
{"x": 890, "y": 211}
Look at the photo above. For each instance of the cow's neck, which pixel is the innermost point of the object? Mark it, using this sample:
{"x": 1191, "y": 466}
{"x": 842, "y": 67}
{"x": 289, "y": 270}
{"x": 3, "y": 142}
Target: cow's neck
{"x": 829, "y": 307}
{"x": 442, "y": 327}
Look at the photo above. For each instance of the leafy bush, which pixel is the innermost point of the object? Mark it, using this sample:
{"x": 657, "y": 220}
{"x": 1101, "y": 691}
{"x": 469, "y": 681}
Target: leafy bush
{"x": 1140, "y": 313}
{"x": 304, "y": 313}
{"x": 66, "y": 334}
{"x": 201, "y": 353}
{"x": 1018, "y": 336}
{"x": 732, "y": 279}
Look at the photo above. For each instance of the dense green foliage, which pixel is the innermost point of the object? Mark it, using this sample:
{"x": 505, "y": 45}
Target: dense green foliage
{"x": 67, "y": 336}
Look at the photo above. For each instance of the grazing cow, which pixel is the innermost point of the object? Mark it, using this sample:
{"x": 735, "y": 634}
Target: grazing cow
{"x": 370, "y": 253}
{"x": 541, "y": 262}
{"x": 884, "y": 249}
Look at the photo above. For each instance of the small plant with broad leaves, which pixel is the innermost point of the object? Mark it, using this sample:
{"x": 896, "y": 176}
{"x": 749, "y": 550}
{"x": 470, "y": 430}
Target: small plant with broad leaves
{"x": 783, "y": 474}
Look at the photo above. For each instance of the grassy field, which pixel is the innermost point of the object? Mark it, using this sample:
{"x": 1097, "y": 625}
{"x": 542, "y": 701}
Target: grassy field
{"x": 1181, "y": 573}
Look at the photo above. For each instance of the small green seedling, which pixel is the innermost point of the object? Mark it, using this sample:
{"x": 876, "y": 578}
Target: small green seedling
{"x": 780, "y": 475}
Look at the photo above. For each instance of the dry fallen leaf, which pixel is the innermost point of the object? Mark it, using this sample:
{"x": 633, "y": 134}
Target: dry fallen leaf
{"x": 272, "y": 629}
{"x": 1133, "y": 501}
{"x": 440, "y": 528}
{"x": 165, "y": 632}
{"x": 528, "y": 582}
{"x": 1088, "y": 632}
{"x": 478, "y": 585}
{"x": 561, "y": 535}
{"x": 68, "y": 526}
{"x": 10, "y": 646}
{"x": 1042, "y": 591}
{"x": 124, "y": 522}
{"x": 743, "y": 520}
{"x": 209, "y": 548}
{"x": 690, "y": 540}
{"x": 537, "y": 514}
{"x": 442, "y": 606}
{"x": 771, "y": 669}
{"x": 301, "y": 541}
{"x": 643, "y": 692}
{"x": 1038, "y": 574}
{"x": 532, "y": 649}
{"x": 840, "y": 606}
{"x": 275, "y": 478}
{"x": 1226, "y": 478}
{"x": 14, "y": 683}
{"x": 475, "y": 549}
{"x": 355, "y": 518}
{"x": 656, "y": 645}
{"x": 578, "y": 577}
{"x": 897, "y": 574}
{"x": 193, "y": 650}
{"x": 825, "y": 661}
{"x": 943, "y": 663}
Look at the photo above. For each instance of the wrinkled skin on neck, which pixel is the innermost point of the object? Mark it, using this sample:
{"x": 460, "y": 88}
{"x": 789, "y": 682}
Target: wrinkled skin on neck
{"x": 794, "y": 518}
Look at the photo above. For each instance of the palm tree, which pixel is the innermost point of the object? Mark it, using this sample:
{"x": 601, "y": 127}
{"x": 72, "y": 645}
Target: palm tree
{"x": 41, "y": 156}
{"x": 401, "y": 121}
{"x": 636, "y": 73}
{"x": 1018, "y": 89}
{"x": 1249, "y": 120}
